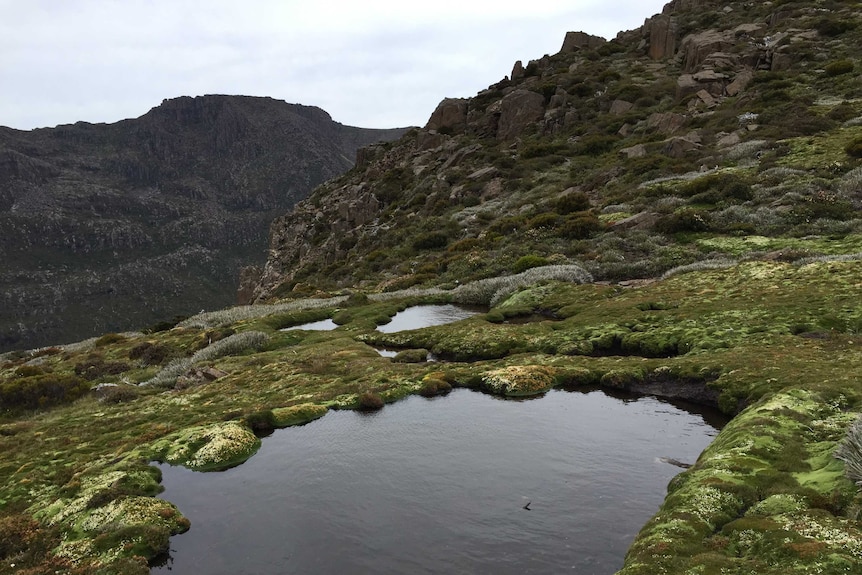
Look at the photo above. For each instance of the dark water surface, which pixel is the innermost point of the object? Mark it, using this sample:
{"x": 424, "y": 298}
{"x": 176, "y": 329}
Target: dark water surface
{"x": 439, "y": 486}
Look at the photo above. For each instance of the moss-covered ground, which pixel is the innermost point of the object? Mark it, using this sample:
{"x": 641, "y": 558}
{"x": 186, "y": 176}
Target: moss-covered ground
{"x": 777, "y": 345}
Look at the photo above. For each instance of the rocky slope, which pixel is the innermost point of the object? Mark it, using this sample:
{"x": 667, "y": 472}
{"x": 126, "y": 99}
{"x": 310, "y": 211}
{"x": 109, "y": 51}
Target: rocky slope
{"x": 111, "y": 227}
{"x": 669, "y": 144}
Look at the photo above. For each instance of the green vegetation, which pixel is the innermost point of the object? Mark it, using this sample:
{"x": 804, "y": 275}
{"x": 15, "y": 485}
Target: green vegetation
{"x": 772, "y": 343}
{"x": 699, "y": 245}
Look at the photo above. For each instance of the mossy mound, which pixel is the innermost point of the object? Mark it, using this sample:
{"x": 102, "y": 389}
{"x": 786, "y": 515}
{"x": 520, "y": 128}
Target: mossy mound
{"x": 751, "y": 499}
{"x": 208, "y": 448}
{"x": 298, "y": 414}
{"x": 519, "y": 380}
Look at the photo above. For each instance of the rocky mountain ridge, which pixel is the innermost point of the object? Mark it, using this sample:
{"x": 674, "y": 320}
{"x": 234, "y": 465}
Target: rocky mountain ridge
{"x": 601, "y": 155}
{"x": 118, "y": 226}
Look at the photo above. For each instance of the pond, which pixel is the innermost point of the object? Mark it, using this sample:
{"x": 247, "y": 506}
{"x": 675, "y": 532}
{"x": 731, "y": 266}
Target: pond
{"x": 420, "y": 316}
{"x": 322, "y": 325}
{"x": 467, "y": 483}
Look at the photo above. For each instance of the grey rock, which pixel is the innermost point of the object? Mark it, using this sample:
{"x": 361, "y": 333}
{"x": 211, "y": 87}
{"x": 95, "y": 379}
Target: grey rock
{"x": 518, "y": 110}
{"x": 450, "y": 115}
{"x": 575, "y": 41}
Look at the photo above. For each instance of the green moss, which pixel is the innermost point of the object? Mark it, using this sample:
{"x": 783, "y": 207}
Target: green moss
{"x": 208, "y": 448}
{"x": 519, "y": 380}
{"x": 298, "y": 414}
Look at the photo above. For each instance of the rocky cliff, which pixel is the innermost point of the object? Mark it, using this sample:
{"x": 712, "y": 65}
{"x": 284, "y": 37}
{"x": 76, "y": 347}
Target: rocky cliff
{"x": 112, "y": 227}
{"x": 610, "y": 154}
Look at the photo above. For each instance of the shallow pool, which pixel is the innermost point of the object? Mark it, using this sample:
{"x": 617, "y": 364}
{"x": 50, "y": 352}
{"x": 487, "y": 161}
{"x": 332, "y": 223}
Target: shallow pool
{"x": 440, "y": 486}
{"x": 420, "y": 316}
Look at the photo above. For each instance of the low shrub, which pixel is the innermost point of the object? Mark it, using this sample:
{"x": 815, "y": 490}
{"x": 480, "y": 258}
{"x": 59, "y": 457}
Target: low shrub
{"x": 165, "y": 325}
{"x": 110, "y": 338}
{"x": 114, "y": 394}
{"x": 832, "y": 27}
{"x": 95, "y": 367}
{"x": 507, "y": 225}
{"x": 41, "y": 391}
{"x": 411, "y": 356}
{"x": 571, "y": 203}
{"x": 369, "y": 401}
{"x": 595, "y": 145}
{"x": 261, "y": 422}
{"x": 839, "y": 67}
{"x": 854, "y": 148}
{"x": 433, "y": 386}
{"x": 430, "y": 241}
{"x": 686, "y": 220}
{"x": 717, "y": 188}
{"x": 150, "y": 353}
{"x": 527, "y": 262}
{"x": 545, "y": 220}
{"x": 580, "y": 226}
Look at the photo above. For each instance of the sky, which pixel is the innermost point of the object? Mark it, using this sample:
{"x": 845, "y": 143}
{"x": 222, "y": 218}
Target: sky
{"x": 373, "y": 64}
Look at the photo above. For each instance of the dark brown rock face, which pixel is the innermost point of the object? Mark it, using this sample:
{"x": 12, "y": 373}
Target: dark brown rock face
{"x": 518, "y": 110}
{"x": 116, "y": 227}
{"x": 662, "y": 36}
{"x": 577, "y": 40}
{"x": 450, "y": 116}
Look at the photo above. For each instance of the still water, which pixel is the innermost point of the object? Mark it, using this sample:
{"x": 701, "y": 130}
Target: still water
{"x": 425, "y": 316}
{"x": 439, "y": 486}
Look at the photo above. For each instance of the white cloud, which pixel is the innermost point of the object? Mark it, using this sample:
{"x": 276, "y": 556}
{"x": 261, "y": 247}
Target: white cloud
{"x": 377, "y": 63}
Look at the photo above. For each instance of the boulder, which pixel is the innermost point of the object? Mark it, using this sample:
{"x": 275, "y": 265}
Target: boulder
{"x": 619, "y": 107}
{"x": 517, "y": 71}
{"x": 728, "y": 140}
{"x": 518, "y": 110}
{"x": 641, "y": 221}
{"x": 695, "y": 48}
{"x": 450, "y": 116}
{"x": 662, "y": 36}
{"x": 426, "y": 140}
{"x": 679, "y": 147}
{"x": 574, "y": 41}
{"x": 740, "y": 82}
{"x": 638, "y": 151}
{"x": 249, "y": 277}
{"x": 665, "y": 122}
{"x": 686, "y": 85}
{"x": 707, "y": 99}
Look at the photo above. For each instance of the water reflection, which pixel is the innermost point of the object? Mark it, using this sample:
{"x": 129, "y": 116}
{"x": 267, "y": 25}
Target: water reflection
{"x": 322, "y": 325}
{"x": 425, "y": 316}
{"x": 438, "y": 486}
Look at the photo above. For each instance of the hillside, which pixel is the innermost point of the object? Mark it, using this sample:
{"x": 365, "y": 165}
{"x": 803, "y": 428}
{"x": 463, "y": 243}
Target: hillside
{"x": 674, "y": 212}
{"x": 113, "y": 227}
{"x": 718, "y": 130}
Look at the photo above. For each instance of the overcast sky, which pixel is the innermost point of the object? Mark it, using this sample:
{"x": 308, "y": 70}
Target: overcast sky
{"x": 374, "y": 63}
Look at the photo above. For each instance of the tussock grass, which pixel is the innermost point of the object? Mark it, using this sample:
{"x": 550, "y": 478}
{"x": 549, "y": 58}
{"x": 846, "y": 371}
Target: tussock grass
{"x": 230, "y": 345}
{"x": 850, "y": 452}
{"x": 492, "y": 291}
{"x": 717, "y": 264}
{"x": 823, "y": 259}
{"x": 232, "y": 315}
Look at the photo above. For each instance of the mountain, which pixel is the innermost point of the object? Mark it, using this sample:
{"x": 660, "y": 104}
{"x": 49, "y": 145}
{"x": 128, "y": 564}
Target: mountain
{"x": 715, "y": 130}
{"x": 673, "y": 213}
{"x": 113, "y": 227}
